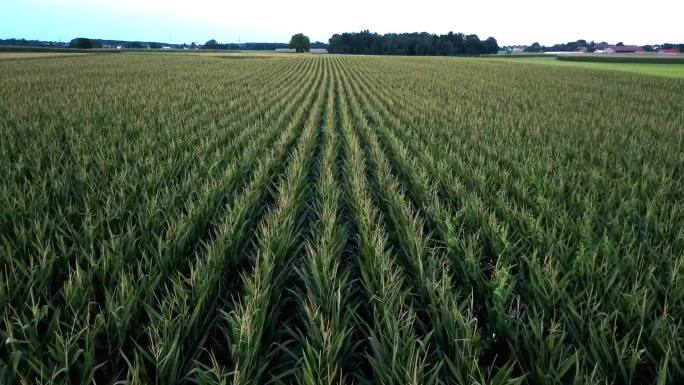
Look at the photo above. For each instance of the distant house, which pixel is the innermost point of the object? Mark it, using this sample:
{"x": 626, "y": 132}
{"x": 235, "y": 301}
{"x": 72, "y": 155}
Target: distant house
{"x": 318, "y": 50}
{"x": 668, "y": 51}
{"x": 518, "y": 48}
{"x": 581, "y": 49}
{"x": 623, "y": 49}
{"x": 285, "y": 50}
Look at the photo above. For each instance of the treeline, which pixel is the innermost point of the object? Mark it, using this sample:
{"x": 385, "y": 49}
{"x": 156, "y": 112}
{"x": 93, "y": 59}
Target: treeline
{"x": 411, "y": 44}
{"x": 272, "y": 46}
{"x": 213, "y": 44}
{"x": 29, "y": 43}
{"x": 87, "y": 43}
{"x": 570, "y": 46}
{"x": 566, "y": 47}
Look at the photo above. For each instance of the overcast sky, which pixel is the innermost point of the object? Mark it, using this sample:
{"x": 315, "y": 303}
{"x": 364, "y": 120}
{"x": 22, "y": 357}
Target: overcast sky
{"x": 511, "y": 22}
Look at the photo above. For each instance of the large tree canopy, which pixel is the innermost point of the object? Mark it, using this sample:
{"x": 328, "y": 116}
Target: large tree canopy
{"x": 412, "y": 44}
{"x": 211, "y": 44}
{"x": 81, "y": 42}
{"x": 300, "y": 42}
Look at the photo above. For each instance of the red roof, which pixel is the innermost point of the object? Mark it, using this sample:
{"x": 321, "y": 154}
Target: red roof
{"x": 668, "y": 50}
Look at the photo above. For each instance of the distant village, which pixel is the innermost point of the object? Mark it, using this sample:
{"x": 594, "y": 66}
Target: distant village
{"x": 582, "y": 46}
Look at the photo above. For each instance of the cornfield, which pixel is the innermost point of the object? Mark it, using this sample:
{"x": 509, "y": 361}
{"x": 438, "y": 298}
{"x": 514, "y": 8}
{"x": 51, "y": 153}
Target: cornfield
{"x": 320, "y": 220}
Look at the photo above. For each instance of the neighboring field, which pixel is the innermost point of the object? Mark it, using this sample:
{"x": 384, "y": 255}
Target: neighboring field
{"x": 660, "y": 69}
{"x": 24, "y": 55}
{"x": 171, "y": 219}
{"x": 652, "y": 58}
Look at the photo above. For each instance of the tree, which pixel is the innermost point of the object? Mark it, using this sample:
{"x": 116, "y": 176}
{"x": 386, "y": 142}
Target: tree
{"x": 591, "y": 47}
{"x": 300, "y": 42}
{"x": 211, "y": 44}
{"x": 473, "y": 45}
{"x": 81, "y": 42}
{"x": 491, "y": 46}
{"x": 535, "y": 47}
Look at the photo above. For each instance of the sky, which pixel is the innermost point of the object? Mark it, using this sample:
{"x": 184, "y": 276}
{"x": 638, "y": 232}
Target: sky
{"x": 228, "y": 21}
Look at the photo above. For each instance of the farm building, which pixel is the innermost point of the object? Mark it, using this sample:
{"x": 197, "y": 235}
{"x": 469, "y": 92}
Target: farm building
{"x": 318, "y": 50}
{"x": 518, "y": 48}
{"x": 668, "y": 51}
{"x": 623, "y": 49}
